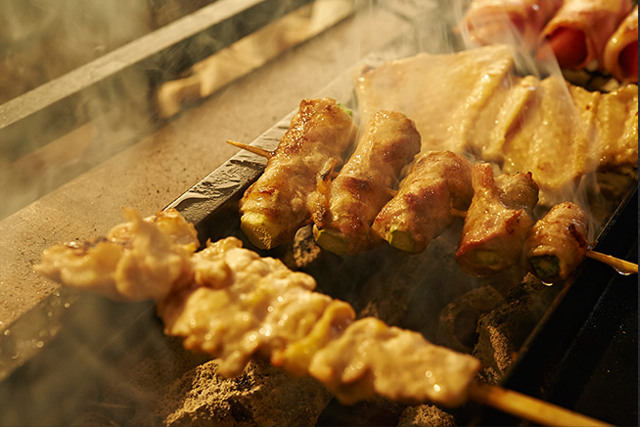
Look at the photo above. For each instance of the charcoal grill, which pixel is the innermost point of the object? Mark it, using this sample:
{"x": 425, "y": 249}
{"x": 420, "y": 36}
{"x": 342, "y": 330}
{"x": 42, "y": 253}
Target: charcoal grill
{"x": 58, "y": 348}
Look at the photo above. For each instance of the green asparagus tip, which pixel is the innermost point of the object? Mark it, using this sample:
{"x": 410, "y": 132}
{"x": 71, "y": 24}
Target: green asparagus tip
{"x": 331, "y": 240}
{"x": 401, "y": 239}
{"x": 345, "y": 109}
{"x": 545, "y": 267}
{"x": 487, "y": 257}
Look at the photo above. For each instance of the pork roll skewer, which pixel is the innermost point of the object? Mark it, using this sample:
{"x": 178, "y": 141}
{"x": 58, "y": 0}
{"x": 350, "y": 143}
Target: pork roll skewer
{"x": 438, "y": 183}
{"x": 620, "y": 56}
{"x": 510, "y": 22}
{"x": 352, "y": 201}
{"x": 498, "y": 221}
{"x": 276, "y": 205}
{"x": 578, "y": 33}
{"x": 557, "y": 245}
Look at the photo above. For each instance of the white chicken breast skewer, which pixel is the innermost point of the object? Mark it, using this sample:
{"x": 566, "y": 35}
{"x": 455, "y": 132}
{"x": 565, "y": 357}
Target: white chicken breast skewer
{"x": 233, "y": 304}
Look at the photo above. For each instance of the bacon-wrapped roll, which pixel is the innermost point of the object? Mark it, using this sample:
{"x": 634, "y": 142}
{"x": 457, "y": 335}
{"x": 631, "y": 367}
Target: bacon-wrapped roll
{"x": 579, "y": 31}
{"x": 363, "y": 186}
{"x": 508, "y": 21}
{"x": 437, "y": 182}
{"x": 557, "y": 243}
{"x": 498, "y": 221}
{"x": 620, "y": 56}
{"x": 276, "y": 205}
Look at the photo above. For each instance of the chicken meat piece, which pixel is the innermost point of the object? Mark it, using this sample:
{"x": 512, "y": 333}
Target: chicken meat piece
{"x": 442, "y": 94}
{"x": 242, "y": 305}
{"x": 438, "y": 183}
{"x": 486, "y": 110}
{"x": 557, "y": 243}
{"x": 137, "y": 260}
{"x": 352, "y": 201}
{"x": 371, "y": 357}
{"x": 498, "y": 221}
{"x": 275, "y": 206}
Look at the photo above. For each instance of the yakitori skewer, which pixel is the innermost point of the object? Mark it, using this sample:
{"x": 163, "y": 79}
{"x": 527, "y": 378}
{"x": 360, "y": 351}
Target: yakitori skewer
{"x": 279, "y": 202}
{"x": 231, "y": 303}
{"x": 557, "y": 244}
{"x": 620, "y": 265}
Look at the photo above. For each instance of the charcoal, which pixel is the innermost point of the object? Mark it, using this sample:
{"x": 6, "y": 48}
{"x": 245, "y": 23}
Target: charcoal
{"x": 261, "y": 396}
{"x": 426, "y": 416}
{"x": 458, "y": 320}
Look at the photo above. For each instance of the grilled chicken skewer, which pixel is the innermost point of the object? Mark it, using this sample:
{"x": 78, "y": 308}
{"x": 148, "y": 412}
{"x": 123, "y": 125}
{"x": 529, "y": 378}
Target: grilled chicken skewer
{"x": 233, "y": 304}
{"x": 498, "y": 220}
{"x": 435, "y": 190}
{"x": 350, "y": 203}
{"x": 557, "y": 244}
{"x": 276, "y": 205}
{"x": 423, "y": 187}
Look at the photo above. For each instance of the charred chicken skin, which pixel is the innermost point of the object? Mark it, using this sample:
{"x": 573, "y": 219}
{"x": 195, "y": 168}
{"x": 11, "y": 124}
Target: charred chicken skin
{"x": 277, "y": 204}
{"x": 497, "y": 222}
{"x": 352, "y": 201}
{"x": 233, "y": 304}
{"x": 438, "y": 182}
{"x": 557, "y": 243}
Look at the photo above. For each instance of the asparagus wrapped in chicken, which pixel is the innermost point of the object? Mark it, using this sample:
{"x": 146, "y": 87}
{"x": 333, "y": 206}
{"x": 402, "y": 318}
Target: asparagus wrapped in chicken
{"x": 498, "y": 220}
{"x": 277, "y": 204}
{"x": 557, "y": 243}
{"x": 231, "y": 303}
{"x": 352, "y": 201}
{"x": 438, "y": 183}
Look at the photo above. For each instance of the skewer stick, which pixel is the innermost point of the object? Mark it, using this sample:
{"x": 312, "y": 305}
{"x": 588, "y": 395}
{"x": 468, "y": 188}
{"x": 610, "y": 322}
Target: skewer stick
{"x": 458, "y": 213}
{"x": 252, "y": 148}
{"x": 528, "y": 407}
{"x": 620, "y": 265}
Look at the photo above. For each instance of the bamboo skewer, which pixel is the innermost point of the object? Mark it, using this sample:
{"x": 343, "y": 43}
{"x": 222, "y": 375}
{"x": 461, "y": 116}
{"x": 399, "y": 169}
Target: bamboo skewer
{"x": 252, "y": 149}
{"x": 620, "y": 265}
{"x": 527, "y": 407}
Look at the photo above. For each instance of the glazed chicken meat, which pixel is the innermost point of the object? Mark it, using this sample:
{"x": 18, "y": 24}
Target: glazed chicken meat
{"x": 229, "y": 302}
{"x": 350, "y": 203}
{"x": 438, "y": 184}
{"x": 497, "y": 222}
{"x": 277, "y": 204}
